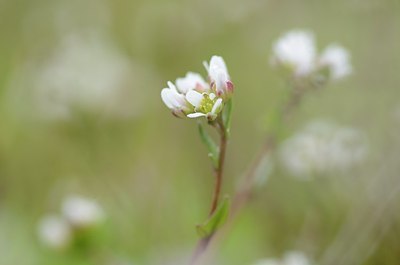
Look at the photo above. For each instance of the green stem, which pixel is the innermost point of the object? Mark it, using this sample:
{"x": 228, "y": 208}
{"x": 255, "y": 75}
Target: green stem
{"x": 218, "y": 173}
{"x": 219, "y": 170}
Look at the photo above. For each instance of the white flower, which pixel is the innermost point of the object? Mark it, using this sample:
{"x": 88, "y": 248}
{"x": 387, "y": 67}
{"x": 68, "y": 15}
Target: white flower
{"x": 295, "y": 258}
{"x": 82, "y": 212}
{"x": 296, "y": 49}
{"x": 269, "y": 261}
{"x": 175, "y": 100}
{"x": 290, "y": 258}
{"x": 337, "y": 59}
{"x": 191, "y": 81}
{"x": 87, "y": 73}
{"x": 323, "y": 147}
{"x": 193, "y": 97}
{"x": 205, "y": 105}
{"x": 219, "y": 77}
{"x": 54, "y": 232}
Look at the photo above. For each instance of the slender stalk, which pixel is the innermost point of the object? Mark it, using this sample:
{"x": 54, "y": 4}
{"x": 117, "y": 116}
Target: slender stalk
{"x": 219, "y": 170}
{"x": 218, "y": 173}
{"x": 245, "y": 191}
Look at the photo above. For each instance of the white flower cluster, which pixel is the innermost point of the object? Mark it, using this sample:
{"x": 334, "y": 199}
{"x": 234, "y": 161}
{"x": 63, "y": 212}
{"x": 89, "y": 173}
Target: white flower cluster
{"x": 321, "y": 148}
{"x": 193, "y": 97}
{"x": 77, "y": 214}
{"x": 297, "y": 51}
{"x": 290, "y": 258}
{"x": 86, "y": 73}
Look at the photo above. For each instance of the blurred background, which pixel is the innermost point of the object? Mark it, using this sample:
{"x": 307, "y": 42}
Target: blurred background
{"x": 81, "y": 113}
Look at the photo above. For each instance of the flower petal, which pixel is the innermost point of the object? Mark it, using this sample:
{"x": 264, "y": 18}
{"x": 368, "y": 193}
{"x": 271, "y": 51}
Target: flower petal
{"x": 171, "y": 85}
{"x": 194, "y": 98}
{"x": 190, "y": 82}
{"x": 173, "y": 99}
{"x": 196, "y": 115}
{"x": 216, "y": 106}
{"x": 218, "y": 62}
{"x": 205, "y": 64}
{"x": 166, "y": 98}
{"x": 218, "y": 73}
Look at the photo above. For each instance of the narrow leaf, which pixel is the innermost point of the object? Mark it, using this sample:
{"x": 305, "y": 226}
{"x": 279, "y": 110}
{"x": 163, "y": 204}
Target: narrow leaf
{"x": 213, "y": 151}
{"x": 216, "y": 220}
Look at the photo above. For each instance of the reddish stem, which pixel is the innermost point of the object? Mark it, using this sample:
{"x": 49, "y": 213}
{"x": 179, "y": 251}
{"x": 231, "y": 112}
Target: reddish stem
{"x": 219, "y": 170}
{"x": 218, "y": 173}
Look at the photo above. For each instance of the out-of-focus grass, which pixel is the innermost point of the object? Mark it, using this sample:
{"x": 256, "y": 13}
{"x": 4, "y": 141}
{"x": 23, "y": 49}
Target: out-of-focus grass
{"x": 149, "y": 170}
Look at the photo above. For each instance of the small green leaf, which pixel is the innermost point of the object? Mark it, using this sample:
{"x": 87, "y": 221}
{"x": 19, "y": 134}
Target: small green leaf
{"x": 216, "y": 220}
{"x": 213, "y": 150}
{"x": 227, "y": 116}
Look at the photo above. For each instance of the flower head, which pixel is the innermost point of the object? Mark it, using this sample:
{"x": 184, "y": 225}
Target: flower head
{"x": 193, "y": 97}
{"x": 54, "y": 232}
{"x": 296, "y": 50}
{"x": 219, "y": 77}
{"x": 337, "y": 59}
{"x": 205, "y": 105}
{"x": 82, "y": 212}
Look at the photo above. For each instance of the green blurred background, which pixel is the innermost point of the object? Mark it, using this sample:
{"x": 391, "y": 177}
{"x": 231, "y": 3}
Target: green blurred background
{"x": 149, "y": 170}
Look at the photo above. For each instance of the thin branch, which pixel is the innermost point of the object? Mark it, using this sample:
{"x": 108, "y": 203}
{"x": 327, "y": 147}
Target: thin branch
{"x": 245, "y": 191}
{"x": 218, "y": 173}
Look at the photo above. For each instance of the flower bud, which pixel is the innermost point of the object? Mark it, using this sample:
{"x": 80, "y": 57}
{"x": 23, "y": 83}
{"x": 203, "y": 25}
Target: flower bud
{"x": 219, "y": 77}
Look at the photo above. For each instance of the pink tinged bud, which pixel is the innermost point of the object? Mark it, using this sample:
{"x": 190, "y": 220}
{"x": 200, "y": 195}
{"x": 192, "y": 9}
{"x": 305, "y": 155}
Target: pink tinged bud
{"x": 219, "y": 77}
{"x": 229, "y": 86}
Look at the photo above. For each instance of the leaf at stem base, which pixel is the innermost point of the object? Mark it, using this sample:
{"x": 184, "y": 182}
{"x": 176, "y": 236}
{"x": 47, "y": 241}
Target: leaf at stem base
{"x": 216, "y": 220}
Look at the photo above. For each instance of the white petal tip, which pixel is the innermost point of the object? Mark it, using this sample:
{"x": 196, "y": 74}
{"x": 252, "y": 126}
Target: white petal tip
{"x": 196, "y": 115}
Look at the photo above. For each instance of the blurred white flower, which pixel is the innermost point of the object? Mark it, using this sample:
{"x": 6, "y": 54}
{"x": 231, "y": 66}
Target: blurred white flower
{"x": 295, "y": 258}
{"x": 82, "y": 212}
{"x": 296, "y": 49}
{"x": 323, "y": 147}
{"x": 54, "y": 232}
{"x": 269, "y": 261}
{"x": 219, "y": 77}
{"x": 337, "y": 59}
{"x": 290, "y": 258}
{"x": 86, "y": 73}
{"x": 193, "y": 97}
